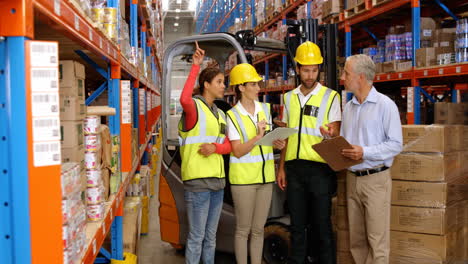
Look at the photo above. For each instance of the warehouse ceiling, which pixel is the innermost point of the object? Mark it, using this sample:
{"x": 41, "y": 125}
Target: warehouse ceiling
{"x": 178, "y": 19}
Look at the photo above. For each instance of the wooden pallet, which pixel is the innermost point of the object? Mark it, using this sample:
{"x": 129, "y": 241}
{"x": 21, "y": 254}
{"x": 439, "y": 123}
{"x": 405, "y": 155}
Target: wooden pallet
{"x": 379, "y": 2}
{"x": 350, "y": 12}
{"x": 332, "y": 19}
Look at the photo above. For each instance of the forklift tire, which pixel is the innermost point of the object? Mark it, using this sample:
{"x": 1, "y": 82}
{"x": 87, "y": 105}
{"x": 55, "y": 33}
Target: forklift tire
{"x": 276, "y": 243}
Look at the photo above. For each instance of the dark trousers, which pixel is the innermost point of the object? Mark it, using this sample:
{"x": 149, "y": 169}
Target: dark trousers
{"x": 310, "y": 186}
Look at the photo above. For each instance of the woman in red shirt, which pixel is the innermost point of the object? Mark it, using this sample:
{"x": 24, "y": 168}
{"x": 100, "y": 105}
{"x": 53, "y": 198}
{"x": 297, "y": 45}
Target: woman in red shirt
{"x": 203, "y": 184}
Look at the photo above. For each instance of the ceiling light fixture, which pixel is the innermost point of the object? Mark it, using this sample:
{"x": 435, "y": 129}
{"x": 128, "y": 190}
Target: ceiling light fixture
{"x": 179, "y": 2}
{"x": 177, "y": 10}
{"x": 176, "y": 24}
{"x": 177, "y": 17}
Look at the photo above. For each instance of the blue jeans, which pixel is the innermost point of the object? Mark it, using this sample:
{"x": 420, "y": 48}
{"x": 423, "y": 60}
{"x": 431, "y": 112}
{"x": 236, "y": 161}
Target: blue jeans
{"x": 203, "y": 211}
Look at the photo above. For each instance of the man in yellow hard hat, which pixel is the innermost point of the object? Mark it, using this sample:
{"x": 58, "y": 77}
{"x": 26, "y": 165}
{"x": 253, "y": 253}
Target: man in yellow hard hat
{"x": 314, "y": 110}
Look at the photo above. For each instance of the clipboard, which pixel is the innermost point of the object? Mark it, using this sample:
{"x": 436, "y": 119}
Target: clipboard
{"x": 278, "y": 133}
{"x": 330, "y": 151}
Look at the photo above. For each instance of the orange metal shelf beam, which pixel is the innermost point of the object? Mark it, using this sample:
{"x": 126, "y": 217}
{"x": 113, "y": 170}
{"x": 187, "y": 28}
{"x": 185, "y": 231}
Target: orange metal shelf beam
{"x": 442, "y": 71}
{"x": 394, "y": 76}
{"x": 373, "y": 12}
{"x": 75, "y": 25}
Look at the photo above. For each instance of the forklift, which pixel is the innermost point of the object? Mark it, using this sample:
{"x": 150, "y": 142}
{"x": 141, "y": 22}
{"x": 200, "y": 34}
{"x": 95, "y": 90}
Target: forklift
{"x": 219, "y": 46}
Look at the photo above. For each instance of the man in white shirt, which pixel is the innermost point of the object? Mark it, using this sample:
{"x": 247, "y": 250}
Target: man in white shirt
{"x": 314, "y": 110}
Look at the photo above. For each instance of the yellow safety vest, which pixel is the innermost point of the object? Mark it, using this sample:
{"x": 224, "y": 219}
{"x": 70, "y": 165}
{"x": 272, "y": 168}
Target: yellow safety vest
{"x": 257, "y": 166}
{"x": 208, "y": 129}
{"x": 307, "y": 120}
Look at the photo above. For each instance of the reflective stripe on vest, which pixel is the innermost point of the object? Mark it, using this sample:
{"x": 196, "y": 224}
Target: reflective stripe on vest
{"x": 257, "y": 166}
{"x": 206, "y": 130}
{"x": 310, "y": 128}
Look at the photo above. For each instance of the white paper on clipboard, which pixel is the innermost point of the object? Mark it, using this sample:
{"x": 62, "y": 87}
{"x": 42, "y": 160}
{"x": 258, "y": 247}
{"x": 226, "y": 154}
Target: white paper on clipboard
{"x": 278, "y": 133}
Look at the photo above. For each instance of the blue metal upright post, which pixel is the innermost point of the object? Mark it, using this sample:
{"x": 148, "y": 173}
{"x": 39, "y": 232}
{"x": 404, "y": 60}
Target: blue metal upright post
{"x": 117, "y": 238}
{"x": 416, "y": 17}
{"x": 253, "y": 11}
{"x": 348, "y": 42}
{"x": 133, "y": 25}
{"x": 15, "y": 232}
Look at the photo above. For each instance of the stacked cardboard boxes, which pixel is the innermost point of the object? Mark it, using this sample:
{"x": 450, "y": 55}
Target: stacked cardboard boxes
{"x": 131, "y": 224}
{"x": 72, "y": 110}
{"x": 428, "y": 193}
{"x": 438, "y": 47}
{"x": 342, "y": 226}
{"x": 332, "y": 7}
{"x": 451, "y": 113}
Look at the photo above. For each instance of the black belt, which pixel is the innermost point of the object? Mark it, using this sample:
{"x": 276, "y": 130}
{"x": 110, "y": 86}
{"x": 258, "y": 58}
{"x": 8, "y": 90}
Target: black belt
{"x": 369, "y": 172}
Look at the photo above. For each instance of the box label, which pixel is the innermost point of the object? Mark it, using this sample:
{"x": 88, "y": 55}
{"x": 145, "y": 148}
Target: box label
{"x": 46, "y": 128}
{"x": 43, "y": 54}
{"x": 142, "y": 101}
{"x": 44, "y": 104}
{"x": 44, "y": 79}
{"x": 427, "y": 32}
{"x": 46, "y": 154}
{"x": 126, "y": 101}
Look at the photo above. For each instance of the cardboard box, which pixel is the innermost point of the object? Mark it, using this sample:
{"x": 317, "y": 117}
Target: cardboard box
{"x": 425, "y": 57}
{"x": 426, "y": 167}
{"x": 445, "y": 38}
{"x": 435, "y": 221}
{"x": 443, "y": 50}
{"x": 341, "y": 192}
{"x": 449, "y": 113}
{"x": 74, "y": 154}
{"x": 350, "y": 3}
{"x": 428, "y": 27}
{"x": 411, "y": 248}
{"x": 378, "y": 68}
{"x": 430, "y": 138}
{"x": 131, "y": 224}
{"x": 331, "y": 7}
{"x": 72, "y": 76}
{"x": 72, "y": 108}
{"x": 344, "y": 258}
{"x": 425, "y": 194}
{"x": 464, "y": 138}
{"x": 72, "y": 134}
{"x": 105, "y": 175}
{"x": 342, "y": 240}
{"x": 389, "y": 66}
{"x": 342, "y": 217}
{"x": 404, "y": 66}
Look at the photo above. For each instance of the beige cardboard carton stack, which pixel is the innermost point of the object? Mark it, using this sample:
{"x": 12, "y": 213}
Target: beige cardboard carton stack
{"x": 341, "y": 223}
{"x": 451, "y": 113}
{"x": 429, "y": 189}
{"x": 131, "y": 224}
{"x": 72, "y": 110}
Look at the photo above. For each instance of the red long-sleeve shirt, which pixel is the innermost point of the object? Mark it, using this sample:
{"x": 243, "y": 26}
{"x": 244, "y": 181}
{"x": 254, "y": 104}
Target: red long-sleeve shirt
{"x": 190, "y": 109}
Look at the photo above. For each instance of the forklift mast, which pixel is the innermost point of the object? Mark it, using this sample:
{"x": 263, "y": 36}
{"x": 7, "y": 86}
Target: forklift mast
{"x": 325, "y": 36}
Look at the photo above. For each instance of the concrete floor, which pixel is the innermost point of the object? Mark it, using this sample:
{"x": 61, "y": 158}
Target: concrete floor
{"x": 154, "y": 251}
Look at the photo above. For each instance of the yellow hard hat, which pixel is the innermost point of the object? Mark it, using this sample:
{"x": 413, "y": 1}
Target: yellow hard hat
{"x": 308, "y": 53}
{"x": 243, "y": 73}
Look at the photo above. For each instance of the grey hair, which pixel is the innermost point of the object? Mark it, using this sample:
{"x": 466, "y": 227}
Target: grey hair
{"x": 363, "y": 64}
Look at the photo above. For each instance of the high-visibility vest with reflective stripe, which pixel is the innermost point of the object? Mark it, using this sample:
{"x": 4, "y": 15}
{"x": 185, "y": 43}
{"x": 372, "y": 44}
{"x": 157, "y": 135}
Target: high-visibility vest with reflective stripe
{"x": 208, "y": 129}
{"x": 257, "y": 166}
{"x": 307, "y": 120}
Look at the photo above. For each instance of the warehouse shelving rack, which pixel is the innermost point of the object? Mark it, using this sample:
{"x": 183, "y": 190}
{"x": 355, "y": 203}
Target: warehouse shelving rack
{"x": 373, "y": 9}
{"x": 415, "y": 75}
{"x": 31, "y": 212}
